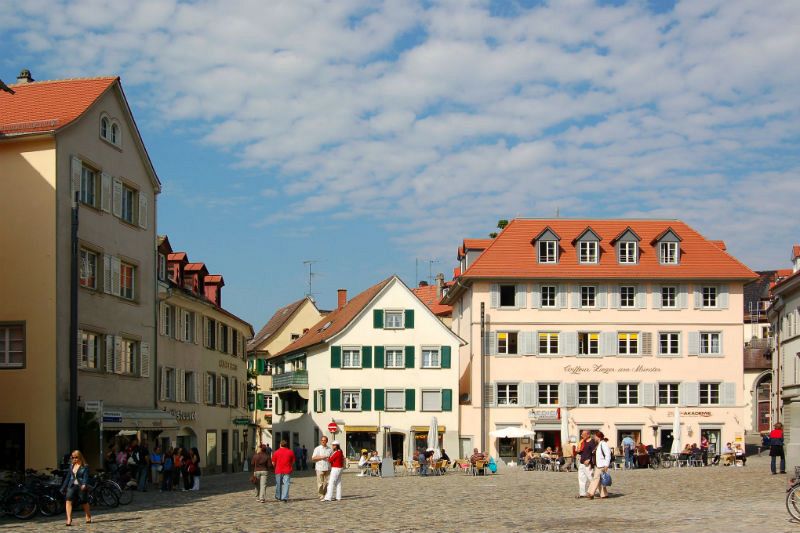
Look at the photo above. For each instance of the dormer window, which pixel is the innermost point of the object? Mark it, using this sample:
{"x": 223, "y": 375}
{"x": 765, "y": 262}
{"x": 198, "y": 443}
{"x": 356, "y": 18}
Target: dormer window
{"x": 668, "y": 253}
{"x": 628, "y": 252}
{"x": 548, "y": 252}
{"x": 104, "y": 128}
{"x": 588, "y": 251}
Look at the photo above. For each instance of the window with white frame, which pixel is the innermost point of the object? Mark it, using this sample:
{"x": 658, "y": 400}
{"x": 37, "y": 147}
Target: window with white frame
{"x": 211, "y": 381}
{"x": 628, "y": 394}
{"x": 588, "y": 343}
{"x": 88, "y": 269}
{"x": 395, "y": 400}
{"x": 127, "y": 275}
{"x": 710, "y": 297}
{"x": 88, "y": 193}
{"x": 188, "y": 387}
{"x": 668, "y": 393}
{"x": 128, "y": 355}
{"x": 628, "y": 343}
{"x": 12, "y": 345}
{"x": 162, "y": 267}
{"x": 393, "y": 357}
{"x": 588, "y": 296}
{"x": 669, "y": 297}
{"x": 104, "y": 128}
{"x": 128, "y": 204}
{"x": 507, "y": 394}
{"x": 169, "y": 320}
{"x": 430, "y": 358}
{"x": 628, "y": 252}
{"x": 351, "y": 400}
{"x": 588, "y": 394}
{"x": 668, "y": 253}
{"x": 547, "y": 393}
{"x": 627, "y": 297}
{"x": 351, "y": 358}
{"x": 211, "y": 333}
{"x": 115, "y": 134}
{"x": 507, "y": 342}
{"x": 548, "y": 251}
{"x": 223, "y": 390}
{"x": 188, "y": 326}
{"x": 89, "y": 350}
{"x": 548, "y": 296}
{"x": 709, "y": 343}
{"x": 548, "y": 343}
{"x": 169, "y": 384}
{"x": 669, "y": 343}
{"x": 319, "y": 401}
{"x": 393, "y": 319}
{"x": 709, "y": 394}
{"x": 588, "y": 251}
{"x": 431, "y": 400}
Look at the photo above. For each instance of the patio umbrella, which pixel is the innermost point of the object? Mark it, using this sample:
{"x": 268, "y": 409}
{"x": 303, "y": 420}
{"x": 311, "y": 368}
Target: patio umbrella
{"x": 433, "y": 439}
{"x": 411, "y": 444}
{"x": 511, "y": 433}
{"x": 564, "y": 427}
{"x": 676, "y": 432}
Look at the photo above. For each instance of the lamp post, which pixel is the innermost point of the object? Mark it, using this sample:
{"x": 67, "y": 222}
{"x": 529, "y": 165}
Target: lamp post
{"x": 73, "y": 329}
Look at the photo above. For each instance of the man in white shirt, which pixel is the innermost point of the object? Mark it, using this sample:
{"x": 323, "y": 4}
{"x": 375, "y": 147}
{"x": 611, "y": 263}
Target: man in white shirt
{"x": 321, "y": 465}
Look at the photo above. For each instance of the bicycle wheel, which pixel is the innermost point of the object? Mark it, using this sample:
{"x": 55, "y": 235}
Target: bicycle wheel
{"x": 124, "y": 496}
{"x": 666, "y": 462}
{"x": 793, "y": 502}
{"x": 108, "y": 496}
{"x": 48, "y": 505}
{"x": 22, "y": 505}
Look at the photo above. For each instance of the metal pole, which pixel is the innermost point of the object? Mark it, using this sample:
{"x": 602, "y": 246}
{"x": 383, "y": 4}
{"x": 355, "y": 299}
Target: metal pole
{"x": 483, "y": 379}
{"x": 100, "y": 441}
{"x": 73, "y": 331}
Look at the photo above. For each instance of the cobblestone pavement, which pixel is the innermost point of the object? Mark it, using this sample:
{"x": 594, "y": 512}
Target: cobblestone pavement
{"x": 672, "y": 500}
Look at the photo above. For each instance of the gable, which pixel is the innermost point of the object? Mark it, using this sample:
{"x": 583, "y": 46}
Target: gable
{"x": 626, "y": 236}
{"x": 588, "y": 235}
{"x": 547, "y": 235}
{"x": 668, "y": 236}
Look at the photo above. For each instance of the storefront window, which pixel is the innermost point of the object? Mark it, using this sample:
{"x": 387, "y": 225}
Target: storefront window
{"x": 359, "y": 440}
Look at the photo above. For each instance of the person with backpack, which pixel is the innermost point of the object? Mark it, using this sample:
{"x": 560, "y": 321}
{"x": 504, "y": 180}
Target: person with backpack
{"x": 166, "y": 471}
{"x": 776, "y": 448}
{"x": 602, "y": 460}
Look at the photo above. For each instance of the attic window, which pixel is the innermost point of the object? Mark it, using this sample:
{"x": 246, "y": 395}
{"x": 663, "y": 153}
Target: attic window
{"x": 326, "y": 326}
{"x": 588, "y": 251}
{"x": 668, "y": 253}
{"x": 628, "y": 252}
{"x": 548, "y": 251}
{"x": 104, "y": 128}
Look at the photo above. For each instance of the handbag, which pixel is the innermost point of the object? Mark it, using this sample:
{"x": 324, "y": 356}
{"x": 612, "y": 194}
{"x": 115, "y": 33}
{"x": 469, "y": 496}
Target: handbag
{"x": 253, "y": 479}
{"x": 605, "y": 479}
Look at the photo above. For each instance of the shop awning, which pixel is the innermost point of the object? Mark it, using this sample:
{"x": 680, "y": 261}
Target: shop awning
{"x": 425, "y": 429}
{"x": 365, "y": 429}
{"x": 137, "y": 419}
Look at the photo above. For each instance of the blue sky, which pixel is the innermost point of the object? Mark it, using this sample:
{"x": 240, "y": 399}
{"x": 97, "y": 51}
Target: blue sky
{"x": 365, "y": 135}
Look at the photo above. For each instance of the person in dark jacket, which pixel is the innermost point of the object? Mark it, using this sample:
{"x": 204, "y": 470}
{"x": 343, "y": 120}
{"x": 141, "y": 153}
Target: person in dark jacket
{"x": 76, "y": 486}
{"x": 194, "y": 468}
{"x": 776, "y": 448}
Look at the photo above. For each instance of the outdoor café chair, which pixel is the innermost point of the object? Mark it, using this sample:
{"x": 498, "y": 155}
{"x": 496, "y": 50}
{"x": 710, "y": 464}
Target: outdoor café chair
{"x": 373, "y": 470}
{"x": 479, "y": 468}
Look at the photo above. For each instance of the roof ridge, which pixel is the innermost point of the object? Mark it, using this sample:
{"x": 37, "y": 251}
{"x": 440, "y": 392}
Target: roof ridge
{"x": 45, "y": 82}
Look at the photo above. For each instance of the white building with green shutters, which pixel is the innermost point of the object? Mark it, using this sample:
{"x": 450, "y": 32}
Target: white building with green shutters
{"x": 380, "y": 367}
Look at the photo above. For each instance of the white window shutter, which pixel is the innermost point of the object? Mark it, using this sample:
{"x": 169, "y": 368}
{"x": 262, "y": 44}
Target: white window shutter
{"x": 105, "y": 192}
{"x": 691, "y": 390}
{"x": 646, "y": 343}
{"x": 494, "y": 296}
{"x": 536, "y": 296}
{"x": 178, "y": 324}
{"x": 489, "y": 395}
{"x": 143, "y": 210}
{"x": 656, "y": 297}
{"x": 641, "y": 297}
{"x": 218, "y": 392}
{"x": 78, "y": 352}
{"x": 698, "y": 297}
{"x": 519, "y": 295}
{"x": 568, "y": 343}
{"x": 721, "y": 345}
{"x": 116, "y": 197}
{"x": 570, "y": 396}
{"x": 198, "y": 324}
{"x": 491, "y": 343}
{"x": 529, "y": 394}
{"x": 107, "y": 276}
{"x": 206, "y": 340}
{"x": 76, "y": 167}
{"x": 608, "y": 391}
{"x": 162, "y": 386}
{"x": 728, "y": 395}
{"x": 118, "y": 354}
{"x": 683, "y": 296}
{"x": 614, "y": 297}
{"x": 162, "y": 328}
{"x": 722, "y": 297}
{"x": 608, "y": 343}
{"x": 181, "y": 388}
{"x": 576, "y": 297}
{"x": 232, "y": 392}
{"x": 144, "y": 353}
{"x": 196, "y": 388}
{"x": 563, "y": 294}
{"x": 109, "y": 353}
{"x": 647, "y": 394}
{"x": 694, "y": 343}
{"x": 602, "y": 296}
{"x": 115, "y": 281}
{"x": 524, "y": 343}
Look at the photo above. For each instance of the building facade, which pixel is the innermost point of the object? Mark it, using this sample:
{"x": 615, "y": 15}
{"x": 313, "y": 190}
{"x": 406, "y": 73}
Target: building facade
{"x": 59, "y": 139}
{"x": 287, "y": 325}
{"x": 600, "y": 325}
{"x": 380, "y": 367}
{"x": 202, "y": 369}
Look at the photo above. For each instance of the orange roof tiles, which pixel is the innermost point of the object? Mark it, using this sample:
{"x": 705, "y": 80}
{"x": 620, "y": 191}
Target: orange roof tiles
{"x": 275, "y": 322}
{"x": 512, "y": 254}
{"x": 336, "y": 320}
{"x": 44, "y": 106}
{"x": 428, "y": 295}
{"x": 190, "y": 267}
{"x": 720, "y": 244}
{"x": 477, "y": 244}
{"x": 178, "y": 256}
{"x": 213, "y": 279}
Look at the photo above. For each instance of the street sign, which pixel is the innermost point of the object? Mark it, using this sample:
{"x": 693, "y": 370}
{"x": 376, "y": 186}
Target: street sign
{"x": 333, "y": 428}
{"x": 93, "y": 406}
{"x": 112, "y": 417}
{"x": 241, "y": 421}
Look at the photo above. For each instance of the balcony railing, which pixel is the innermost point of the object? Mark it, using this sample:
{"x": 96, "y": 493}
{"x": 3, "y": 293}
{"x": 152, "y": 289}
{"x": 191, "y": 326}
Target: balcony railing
{"x": 290, "y": 380}
{"x": 759, "y": 344}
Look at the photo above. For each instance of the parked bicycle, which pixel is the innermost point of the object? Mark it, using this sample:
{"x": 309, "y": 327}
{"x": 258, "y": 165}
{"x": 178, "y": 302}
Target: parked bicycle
{"x": 124, "y": 493}
{"x": 18, "y": 502}
{"x": 793, "y": 495}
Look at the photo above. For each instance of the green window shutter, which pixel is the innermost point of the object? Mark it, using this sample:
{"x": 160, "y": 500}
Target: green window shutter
{"x": 366, "y": 357}
{"x": 409, "y": 319}
{"x": 262, "y": 366}
{"x": 445, "y": 357}
{"x": 447, "y": 399}
{"x": 336, "y": 399}
{"x": 410, "y": 396}
{"x": 260, "y": 402}
{"x": 409, "y": 357}
{"x": 336, "y": 357}
{"x": 366, "y": 399}
{"x": 316, "y": 406}
{"x": 322, "y": 398}
{"x": 379, "y": 357}
{"x": 379, "y": 398}
{"x": 250, "y": 363}
{"x": 377, "y": 318}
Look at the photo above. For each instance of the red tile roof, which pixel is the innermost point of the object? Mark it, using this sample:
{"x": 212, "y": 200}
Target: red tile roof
{"x": 477, "y": 244}
{"x": 277, "y": 320}
{"x": 428, "y": 295}
{"x": 336, "y": 320}
{"x": 214, "y": 278}
{"x": 720, "y": 244}
{"x": 512, "y": 254}
{"x": 190, "y": 267}
{"x": 178, "y": 256}
{"x": 44, "y": 106}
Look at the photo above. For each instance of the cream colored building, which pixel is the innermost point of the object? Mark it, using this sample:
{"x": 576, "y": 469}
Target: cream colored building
{"x": 202, "y": 368}
{"x": 58, "y": 139}
{"x": 380, "y": 367}
{"x": 602, "y": 325}
{"x": 287, "y": 325}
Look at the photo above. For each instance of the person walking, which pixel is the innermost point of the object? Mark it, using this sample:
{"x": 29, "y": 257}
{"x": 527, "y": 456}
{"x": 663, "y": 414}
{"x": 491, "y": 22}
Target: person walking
{"x": 76, "y": 486}
{"x": 261, "y": 463}
{"x": 194, "y": 468}
{"x": 628, "y": 446}
{"x": 586, "y": 449}
{"x": 602, "y": 460}
{"x": 776, "y": 448}
{"x": 704, "y": 448}
{"x": 322, "y": 466}
{"x": 337, "y": 465}
{"x": 283, "y": 460}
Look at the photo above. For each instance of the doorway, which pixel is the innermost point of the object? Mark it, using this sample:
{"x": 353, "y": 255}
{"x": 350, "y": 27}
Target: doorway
{"x": 666, "y": 440}
{"x": 396, "y": 441}
{"x": 225, "y": 450}
{"x": 12, "y": 440}
{"x": 714, "y": 437}
{"x": 237, "y": 458}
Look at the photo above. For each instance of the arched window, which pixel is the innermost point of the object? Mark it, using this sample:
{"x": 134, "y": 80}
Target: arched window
{"x": 115, "y": 134}
{"x": 104, "y": 128}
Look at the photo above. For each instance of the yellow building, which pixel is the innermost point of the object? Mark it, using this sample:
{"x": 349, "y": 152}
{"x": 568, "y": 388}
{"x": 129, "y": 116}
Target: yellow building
{"x": 287, "y": 325}
{"x": 59, "y": 139}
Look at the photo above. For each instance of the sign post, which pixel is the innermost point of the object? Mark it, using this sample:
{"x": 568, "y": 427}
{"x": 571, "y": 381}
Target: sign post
{"x": 333, "y": 429}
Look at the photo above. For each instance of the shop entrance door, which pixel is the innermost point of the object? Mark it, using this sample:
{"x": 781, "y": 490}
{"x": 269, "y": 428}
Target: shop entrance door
{"x": 224, "y": 450}
{"x": 12, "y": 437}
{"x": 666, "y": 440}
{"x": 397, "y": 440}
{"x": 714, "y": 438}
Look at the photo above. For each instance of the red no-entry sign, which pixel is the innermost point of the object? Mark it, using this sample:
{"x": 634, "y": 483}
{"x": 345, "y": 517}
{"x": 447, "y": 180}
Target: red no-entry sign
{"x": 333, "y": 428}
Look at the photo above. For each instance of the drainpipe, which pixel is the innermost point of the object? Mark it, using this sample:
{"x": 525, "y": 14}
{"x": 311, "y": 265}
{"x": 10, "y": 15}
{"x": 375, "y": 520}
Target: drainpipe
{"x": 73, "y": 329}
{"x": 483, "y": 379}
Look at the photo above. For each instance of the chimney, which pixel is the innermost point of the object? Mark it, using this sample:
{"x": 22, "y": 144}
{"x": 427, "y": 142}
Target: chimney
{"x": 439, "y": 285}
{"x": 423, "y": 283}
{"x": 342, "y": 297}
{"x": 25, "y": 76}
{"x": 796, "y": 258}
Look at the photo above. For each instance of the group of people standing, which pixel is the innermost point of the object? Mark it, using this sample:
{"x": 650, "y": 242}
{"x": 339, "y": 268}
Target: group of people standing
{"x": 173, "y": 469}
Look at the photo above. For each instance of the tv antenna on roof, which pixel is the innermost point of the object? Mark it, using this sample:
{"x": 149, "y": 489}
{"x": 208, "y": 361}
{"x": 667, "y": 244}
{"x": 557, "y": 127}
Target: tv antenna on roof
{"x": 311, "y": 274}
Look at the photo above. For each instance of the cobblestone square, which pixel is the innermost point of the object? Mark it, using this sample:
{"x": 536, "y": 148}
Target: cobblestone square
{"x": 686, "y": 499}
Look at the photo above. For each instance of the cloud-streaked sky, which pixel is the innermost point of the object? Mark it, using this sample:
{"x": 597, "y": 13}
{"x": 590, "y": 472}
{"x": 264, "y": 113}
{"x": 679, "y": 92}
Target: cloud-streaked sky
{"x": 367, "y": 134}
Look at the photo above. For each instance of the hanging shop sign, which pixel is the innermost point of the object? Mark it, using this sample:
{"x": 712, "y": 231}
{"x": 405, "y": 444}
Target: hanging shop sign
{"x": 691, "y": 414}
{"x": 545, "y": 414}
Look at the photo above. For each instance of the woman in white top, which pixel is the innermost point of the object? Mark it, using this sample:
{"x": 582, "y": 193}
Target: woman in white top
{"x": 363, "y": 463}
{"x": 602, "y": 460}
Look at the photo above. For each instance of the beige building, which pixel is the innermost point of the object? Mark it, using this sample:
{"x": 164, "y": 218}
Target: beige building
{"x": 202, "y": 369}
{"x": 600, "y": 325}
{"x": 381, "y": 367}
{"x": 58, "y": 139}
{"x": 287, "y": 325}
